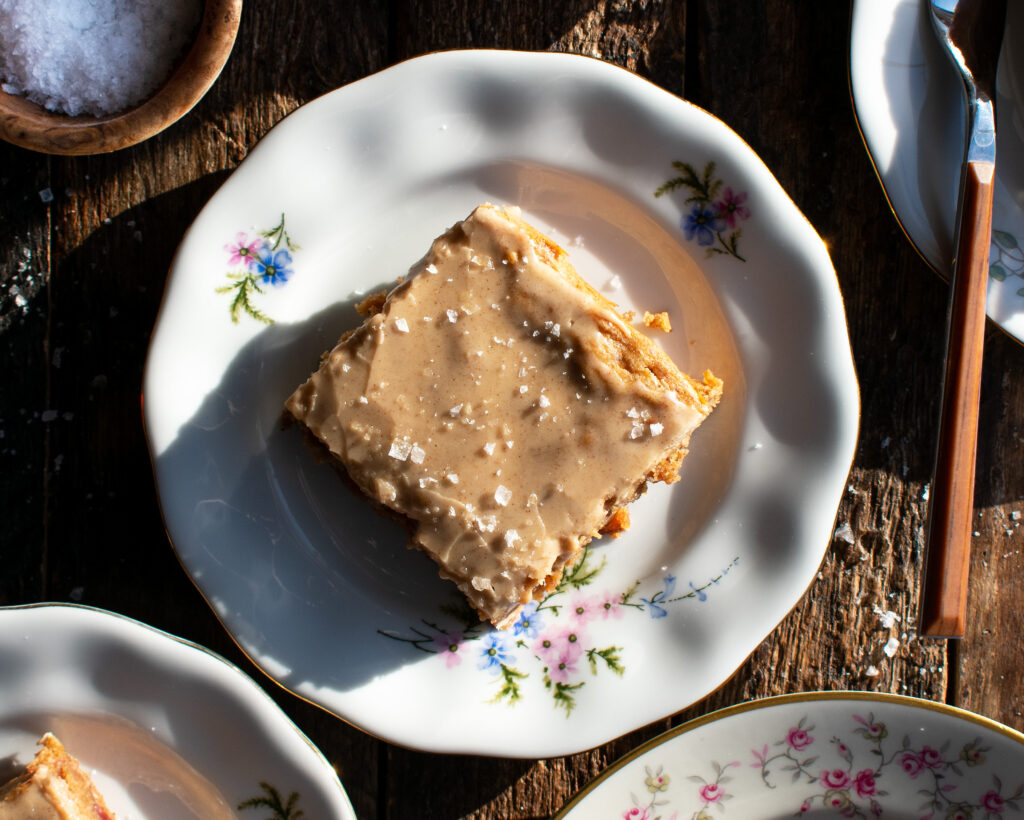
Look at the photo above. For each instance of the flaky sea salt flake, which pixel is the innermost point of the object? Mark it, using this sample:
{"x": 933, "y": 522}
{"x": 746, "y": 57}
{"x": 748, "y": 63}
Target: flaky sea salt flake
{"x": 400, "y": 449}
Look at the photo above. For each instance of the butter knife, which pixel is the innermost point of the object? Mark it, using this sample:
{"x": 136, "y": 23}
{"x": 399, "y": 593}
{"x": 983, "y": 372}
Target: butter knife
{"x": 971, "y": 32}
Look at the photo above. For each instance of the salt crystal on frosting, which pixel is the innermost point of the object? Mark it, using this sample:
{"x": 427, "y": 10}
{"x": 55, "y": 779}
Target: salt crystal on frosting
{"x": 502, "y": 495}
{"x": 89, "y": 57}
{"x": 400, "y": 449}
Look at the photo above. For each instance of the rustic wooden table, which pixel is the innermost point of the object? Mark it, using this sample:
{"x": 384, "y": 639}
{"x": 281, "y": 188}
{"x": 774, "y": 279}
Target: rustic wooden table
{"x": 81, "y": 278}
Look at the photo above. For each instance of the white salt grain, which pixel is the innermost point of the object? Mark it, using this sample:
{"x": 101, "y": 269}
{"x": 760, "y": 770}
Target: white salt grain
{"x": 886, "y": 617}
{"x": 400, "y": 449}
{"x": 844, "y": 532}
{"x": 92, "y": 56}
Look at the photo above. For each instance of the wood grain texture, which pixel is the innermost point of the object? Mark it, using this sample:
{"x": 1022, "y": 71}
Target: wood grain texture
{"x": 81, "y": 279}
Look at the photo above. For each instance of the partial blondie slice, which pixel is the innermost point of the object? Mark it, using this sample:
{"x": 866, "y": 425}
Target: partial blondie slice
{"x": 503, "y": 409}
{"x": 52, "y": 787}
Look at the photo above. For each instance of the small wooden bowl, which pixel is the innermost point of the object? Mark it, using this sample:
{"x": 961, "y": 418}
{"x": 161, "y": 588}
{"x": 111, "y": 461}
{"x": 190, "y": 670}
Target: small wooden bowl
{"x": 29, "y": 125}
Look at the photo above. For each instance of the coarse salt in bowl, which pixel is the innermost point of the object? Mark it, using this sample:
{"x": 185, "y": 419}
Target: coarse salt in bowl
{"x": 93, "y": 76}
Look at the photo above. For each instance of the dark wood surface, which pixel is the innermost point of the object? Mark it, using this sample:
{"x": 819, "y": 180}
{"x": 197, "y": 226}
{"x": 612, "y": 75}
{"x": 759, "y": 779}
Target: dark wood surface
{"x": 81, "y": 279}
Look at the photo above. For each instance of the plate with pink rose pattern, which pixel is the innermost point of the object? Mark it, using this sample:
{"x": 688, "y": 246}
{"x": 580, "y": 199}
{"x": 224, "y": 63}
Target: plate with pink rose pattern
{"x": 821, "y": 754}
{"x": 662, "y": 208}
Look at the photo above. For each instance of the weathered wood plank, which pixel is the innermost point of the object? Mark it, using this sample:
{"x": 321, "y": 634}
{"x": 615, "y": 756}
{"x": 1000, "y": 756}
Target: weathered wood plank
{"x": 990, "y": 657}
{"x": 25, "y": 462}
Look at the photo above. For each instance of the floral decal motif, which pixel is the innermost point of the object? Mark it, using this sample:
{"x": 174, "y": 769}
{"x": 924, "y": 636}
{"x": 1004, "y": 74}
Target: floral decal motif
{"x": 257, "y": 261}
{"x": 656, "y": 783}
{"x": 552, "y": 639}
{"x": 714, "y": 215}
{"x": 705, "y": 796}
{"x": 848, "y": 777}
{"x": 271, "y": 799}
{"x": 1005, "y": 258}
{"x": 853, "y": 784}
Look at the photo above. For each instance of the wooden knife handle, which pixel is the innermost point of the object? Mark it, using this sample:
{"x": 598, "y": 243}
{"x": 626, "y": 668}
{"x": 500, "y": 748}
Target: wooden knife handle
{"x": 947, "y": 557}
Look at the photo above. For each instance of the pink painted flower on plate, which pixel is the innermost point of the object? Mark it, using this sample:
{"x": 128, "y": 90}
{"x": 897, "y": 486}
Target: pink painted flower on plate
{"x": 932, "y": 758}
{"x": 585, "y": 608}
{"x": 447, "y": 643}
{"x": 731, "y": 207}
{"x": 244, "y": 250}
{"x": 565, "y": 643}
{"x": 798, "y": 738}
{"x": 864, "y": 783}
{"x": 636, "y": 813}
{"x": 993, "y": 802}
{"x": 834, "y": 779}
{"x": 611, "y": 605}
{"x": 911, "y": 763}
{"x": 711, "y": 792}
{"x": 562, "y": 666}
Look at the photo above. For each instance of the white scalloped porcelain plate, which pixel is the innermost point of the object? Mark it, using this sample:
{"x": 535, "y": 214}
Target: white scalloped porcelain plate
{"x": 343, "y": 196}
{"x": 817, "y": 755}
{"x": 908, "y": 101}
{"x": 167, "y": 729}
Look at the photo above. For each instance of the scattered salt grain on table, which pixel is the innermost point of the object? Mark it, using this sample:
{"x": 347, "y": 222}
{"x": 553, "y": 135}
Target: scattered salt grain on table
{"x": 92, "y": 56}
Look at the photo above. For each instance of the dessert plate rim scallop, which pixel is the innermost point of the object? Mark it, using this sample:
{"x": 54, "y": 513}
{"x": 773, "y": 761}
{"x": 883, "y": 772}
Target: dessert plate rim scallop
{"x": 161, "y": 724}
{"x": 662, "y": 207}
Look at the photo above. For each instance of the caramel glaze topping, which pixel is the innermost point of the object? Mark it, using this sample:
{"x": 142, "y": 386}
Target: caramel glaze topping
{"x": 488, "y": 402}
